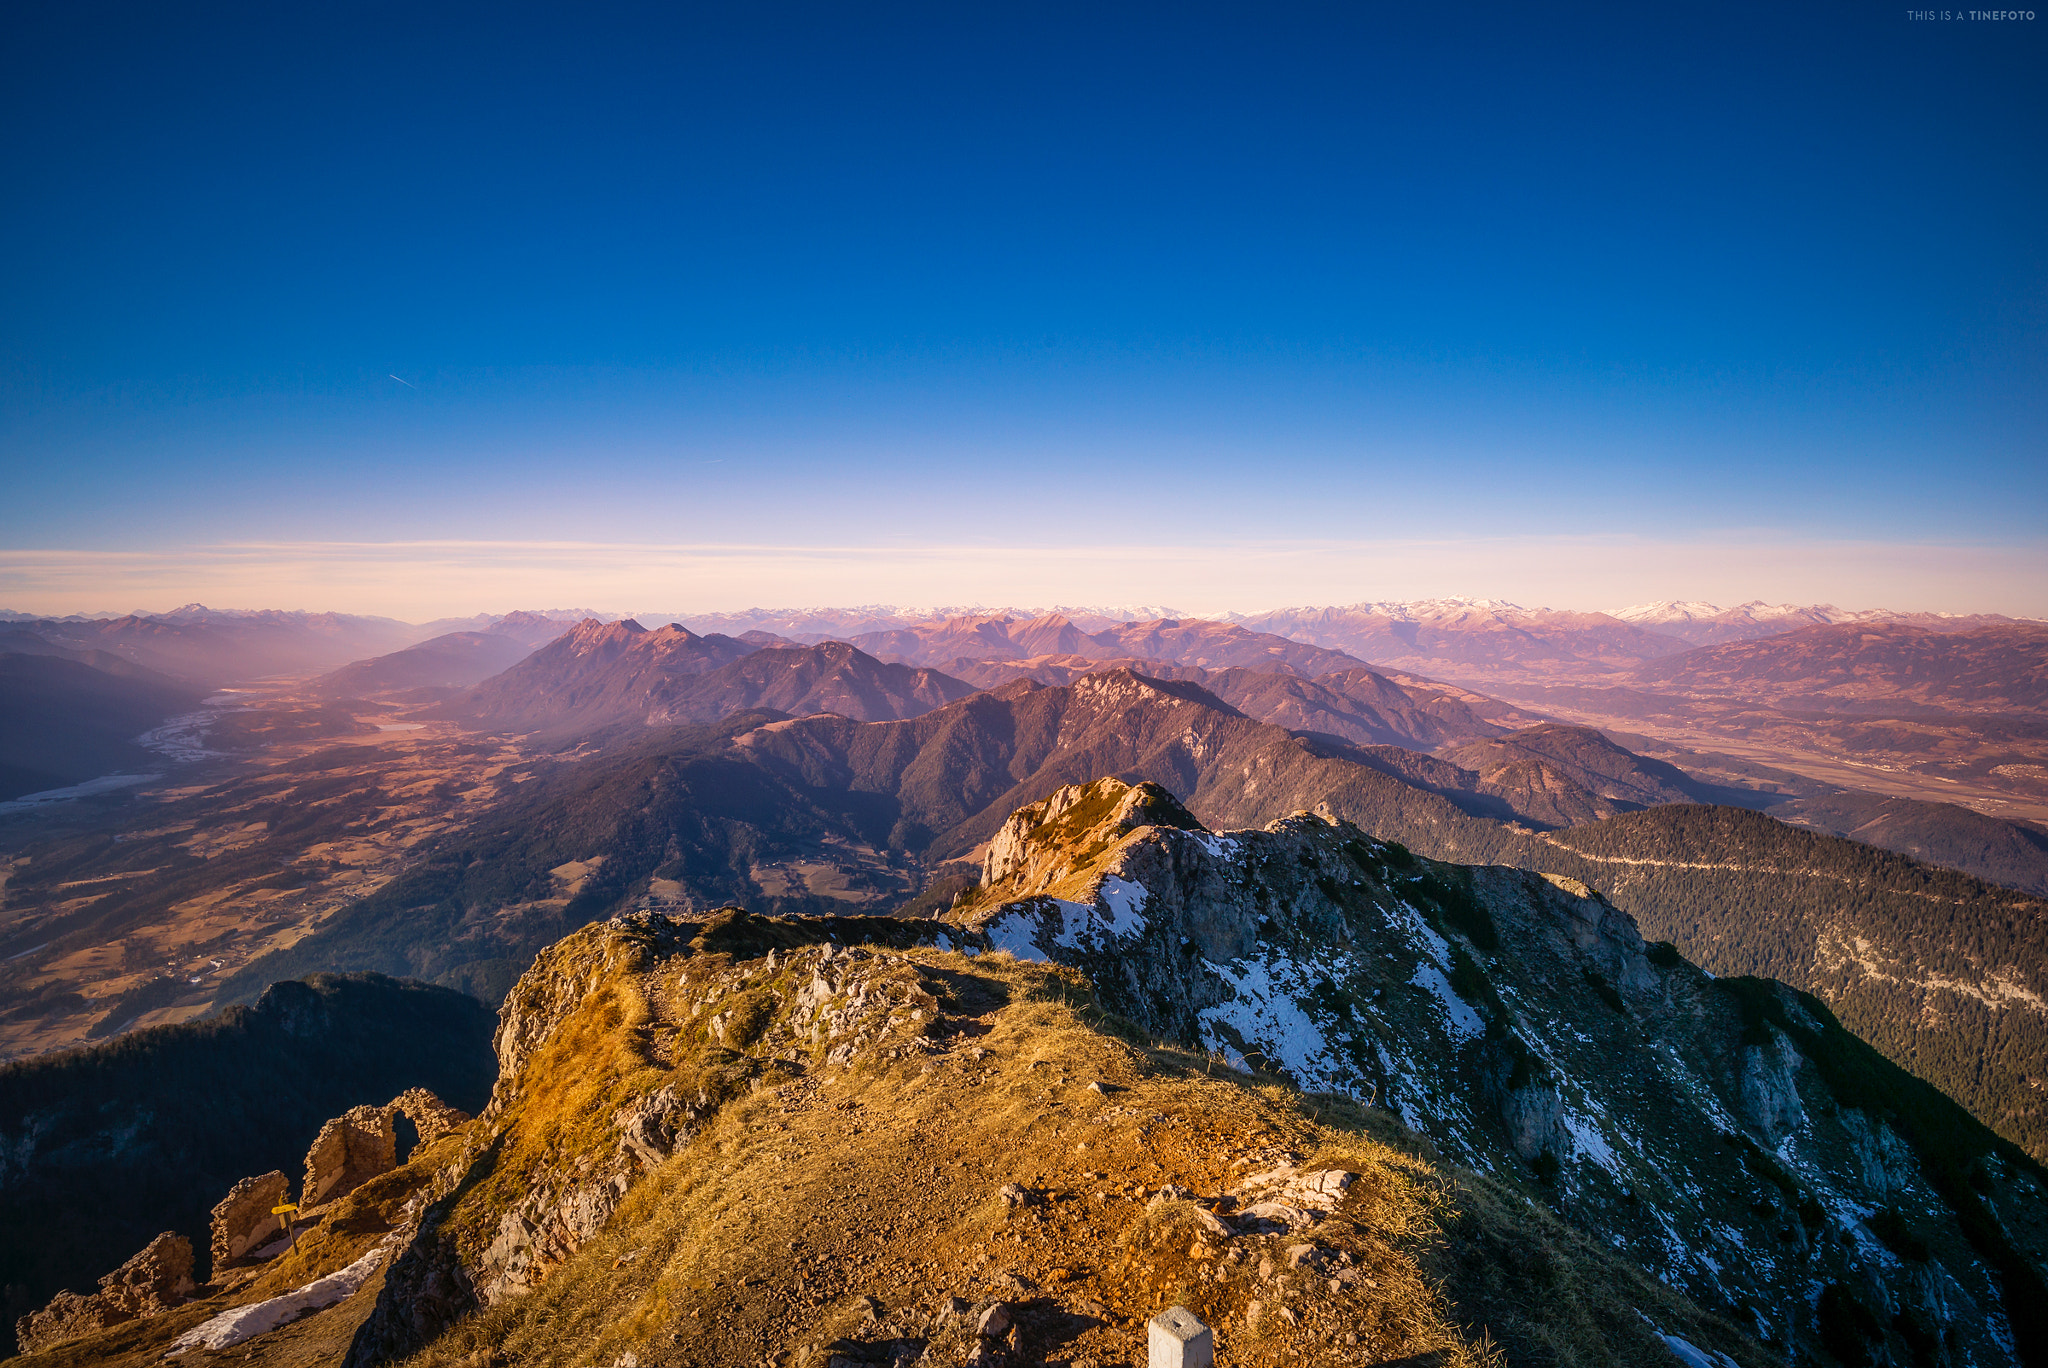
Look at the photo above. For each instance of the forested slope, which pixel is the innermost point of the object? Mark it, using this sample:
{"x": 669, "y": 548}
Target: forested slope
{"x": 1946, "y": 974}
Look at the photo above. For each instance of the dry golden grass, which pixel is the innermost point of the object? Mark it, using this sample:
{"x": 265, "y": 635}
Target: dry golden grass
{"x": 758, "y": 1240}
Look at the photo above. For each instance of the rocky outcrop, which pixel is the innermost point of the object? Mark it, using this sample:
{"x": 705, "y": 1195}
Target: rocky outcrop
{"x": 425, "y": 1291}
{"x": 244, "y": 1219}
{"x": 1033, "y": 850}
{"x": 350, "y": 1150}
{"x": 151, "y": 1283}
{"x": 1768, "y": 1090}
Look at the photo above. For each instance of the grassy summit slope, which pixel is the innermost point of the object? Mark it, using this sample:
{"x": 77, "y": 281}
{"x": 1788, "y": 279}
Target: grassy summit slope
{"x": 744, "y": 1147}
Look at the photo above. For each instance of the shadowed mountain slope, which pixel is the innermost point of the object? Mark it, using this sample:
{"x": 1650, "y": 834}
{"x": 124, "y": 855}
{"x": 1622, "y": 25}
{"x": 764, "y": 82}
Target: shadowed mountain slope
{"x": 595, "y": 673}
{"x": 602, "y": 674}
{"x": 455, "y": 660}
{"x": 109, "y": 1144}
{"x": 63, "y": 721}
{"x": 831, "y": 677}
{"x": 2011, "y": 853}
{"x": 1354, "y": 705}
{"x": 1561, "y": 776}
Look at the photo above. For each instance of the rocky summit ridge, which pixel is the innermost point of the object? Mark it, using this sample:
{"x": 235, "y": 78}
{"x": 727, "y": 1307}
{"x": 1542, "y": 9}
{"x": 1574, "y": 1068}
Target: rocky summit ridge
{"x": 1342, "y": 1103}
{"x": 1729, "y": 1136}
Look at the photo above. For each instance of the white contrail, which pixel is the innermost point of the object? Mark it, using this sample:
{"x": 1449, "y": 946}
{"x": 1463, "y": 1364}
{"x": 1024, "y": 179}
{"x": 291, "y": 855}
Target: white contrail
{"x": 407, "y": 383}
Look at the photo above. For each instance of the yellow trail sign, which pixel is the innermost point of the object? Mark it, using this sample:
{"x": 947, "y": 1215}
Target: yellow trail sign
{"x": 281, "y": 1210}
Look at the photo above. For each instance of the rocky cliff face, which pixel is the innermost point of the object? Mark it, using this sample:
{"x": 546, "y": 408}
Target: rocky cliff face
{"x": 1728, "y": 1136}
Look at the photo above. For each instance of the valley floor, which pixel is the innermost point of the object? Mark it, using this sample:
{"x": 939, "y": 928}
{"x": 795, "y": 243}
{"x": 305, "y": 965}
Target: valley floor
{"x": 145, "y": 898}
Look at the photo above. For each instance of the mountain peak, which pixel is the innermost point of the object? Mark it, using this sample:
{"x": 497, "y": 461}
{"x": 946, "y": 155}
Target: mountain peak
{"x": 592, "y": 633}
{"x": 1063, "y": 839}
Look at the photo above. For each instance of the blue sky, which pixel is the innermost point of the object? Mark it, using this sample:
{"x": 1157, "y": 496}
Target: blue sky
{"x": 1749, "y": 300}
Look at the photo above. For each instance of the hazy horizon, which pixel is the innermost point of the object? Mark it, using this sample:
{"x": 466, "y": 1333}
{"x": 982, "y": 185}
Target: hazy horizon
{"x": 1131, "y": 609}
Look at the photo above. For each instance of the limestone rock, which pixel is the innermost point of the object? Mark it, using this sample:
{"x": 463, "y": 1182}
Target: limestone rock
{"x": 1274, "y": 1216}
{"x": 151, "y": 1283}
{"x": 351, "y": 1149}
{"x": 1767, "y": 1089}
{"x": 244, "y": 1221}
{"x": 1033, "y": 849}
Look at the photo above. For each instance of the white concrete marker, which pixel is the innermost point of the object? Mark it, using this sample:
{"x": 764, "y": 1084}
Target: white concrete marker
{"x": 1178, "y": 1340}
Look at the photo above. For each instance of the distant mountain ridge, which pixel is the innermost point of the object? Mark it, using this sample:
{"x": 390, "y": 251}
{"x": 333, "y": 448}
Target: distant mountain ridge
{"x": 818, "y": 623}
{"x": 601, "y": 673}
{"x": 1431, "y": 633}
{"x": 451, "y": 660}
{"x": 1705, "y": 624}
{"x": 1995, "y": 668}
{"x": 207, "y": 647}
{"x": 1198, "y": 642}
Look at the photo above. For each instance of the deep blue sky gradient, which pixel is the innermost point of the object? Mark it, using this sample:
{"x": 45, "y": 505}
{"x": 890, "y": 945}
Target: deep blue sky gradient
{"x": 874, "y": 274}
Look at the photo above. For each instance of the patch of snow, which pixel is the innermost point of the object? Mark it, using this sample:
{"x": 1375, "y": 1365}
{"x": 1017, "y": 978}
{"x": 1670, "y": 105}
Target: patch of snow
{"x": 1435, "y": 946}
{"x": 1016, "y": 932}
{"x": 1221, "y": 847}
{"x": 246, "y": 1322}
{"x": 1587, "y": 1140}
{"x": 1265, "y": 1010}
{"x": 1459, "y": 1019}
{"x": 1692, "y": 1356}
{"x": 1126, "y": 903}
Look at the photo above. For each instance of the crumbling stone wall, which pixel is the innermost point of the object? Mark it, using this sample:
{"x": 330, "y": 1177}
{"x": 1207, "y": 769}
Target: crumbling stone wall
{"x": 432, "y": 1117}
{"x": 244, "y": 1220}
{"x": 151, "y": 1283}
{"x": 351, "y": 1149}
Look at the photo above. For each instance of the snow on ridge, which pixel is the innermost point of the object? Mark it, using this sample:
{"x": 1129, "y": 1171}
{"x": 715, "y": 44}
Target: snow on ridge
{"x": 1125, "y": 901}
{"x": 1116, "y": 914}
{"x": 1016, "y": 932}
{"x": 1460, "y": 1020}
{"x": 1588, "y": 1141}
{"x": 1265, "y": 1010}
{"x": 1691, "y": 1355}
